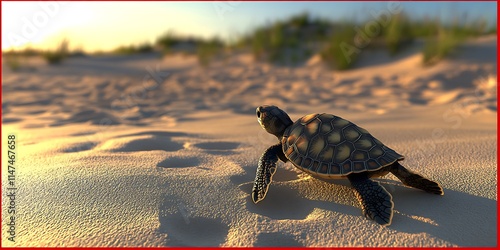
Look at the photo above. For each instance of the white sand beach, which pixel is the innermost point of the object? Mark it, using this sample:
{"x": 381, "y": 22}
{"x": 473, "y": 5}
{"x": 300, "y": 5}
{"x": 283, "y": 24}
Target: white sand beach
{"x": 148, "y": 151}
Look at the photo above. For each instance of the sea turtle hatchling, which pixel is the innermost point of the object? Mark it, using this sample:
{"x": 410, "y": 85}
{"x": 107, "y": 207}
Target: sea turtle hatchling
{"x": 328, "y": 146}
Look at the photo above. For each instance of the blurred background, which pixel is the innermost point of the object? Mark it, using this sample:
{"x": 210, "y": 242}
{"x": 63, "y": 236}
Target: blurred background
{"x": 273, "y": 31}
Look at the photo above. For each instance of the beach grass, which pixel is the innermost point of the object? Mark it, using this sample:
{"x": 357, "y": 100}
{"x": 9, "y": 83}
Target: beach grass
{"x": 339, "y": 52}
{"x": 333, "y": 40}
{"x": 134, "y": 49}
{"x": 287, "y": 42}
{"x": 166, "y": 41}
{"x": 208, "y": 50}
{"x": 13, "y": 61}
{"x": 397, "y": 33}
{"x": 437, "y": 48}
{"x": 446, "y": 39}
{"x": 56, "y": 56}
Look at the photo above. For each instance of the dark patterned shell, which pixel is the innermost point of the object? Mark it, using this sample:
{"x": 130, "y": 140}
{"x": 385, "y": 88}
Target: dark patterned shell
{"x": 331, "y": 147}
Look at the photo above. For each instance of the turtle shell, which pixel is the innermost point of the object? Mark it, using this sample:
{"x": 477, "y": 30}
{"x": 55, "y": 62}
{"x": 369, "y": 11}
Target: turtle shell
{"x": 332, "y": 147}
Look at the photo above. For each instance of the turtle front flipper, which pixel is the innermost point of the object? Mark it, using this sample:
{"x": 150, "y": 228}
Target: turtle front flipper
{"x": 415, "y": 180}
{"x": 265, "y": 172}
{"x": 375, "y": 201}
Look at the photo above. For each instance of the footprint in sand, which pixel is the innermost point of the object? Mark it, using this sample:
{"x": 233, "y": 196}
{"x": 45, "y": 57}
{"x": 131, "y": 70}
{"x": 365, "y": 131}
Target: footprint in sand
{"x": 141, "y": 143}
{"x": 183, "y": 223}
{"x": 276, "y": 239}
{"x": 179, "y": 162}
{"x": 183, "y": 230}
{"x": 156, "y": 133}
{"x": 79, "y": 147}
{"x": 90, "y": 115}
{"x": 218, "y": 148}
{"x": 83, "y": 133}
{"x": 11, "y": 120}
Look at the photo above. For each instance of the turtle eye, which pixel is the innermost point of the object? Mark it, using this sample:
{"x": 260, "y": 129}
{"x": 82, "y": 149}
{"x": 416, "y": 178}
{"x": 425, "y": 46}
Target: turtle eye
{"x": 258, "y": 114}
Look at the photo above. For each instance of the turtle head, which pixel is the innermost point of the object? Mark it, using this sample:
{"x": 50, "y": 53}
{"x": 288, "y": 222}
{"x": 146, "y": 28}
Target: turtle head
{"x": 273, "y": 120}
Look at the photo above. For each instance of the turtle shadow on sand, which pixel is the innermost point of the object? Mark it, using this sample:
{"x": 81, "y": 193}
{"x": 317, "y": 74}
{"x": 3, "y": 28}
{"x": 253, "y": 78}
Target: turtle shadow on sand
{"x": 459, "y": 218}
{"x": 284, "y": 202}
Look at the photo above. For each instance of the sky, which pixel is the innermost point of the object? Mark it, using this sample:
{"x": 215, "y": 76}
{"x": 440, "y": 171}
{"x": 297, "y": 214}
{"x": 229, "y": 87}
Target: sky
{"x": 101, "y": 26}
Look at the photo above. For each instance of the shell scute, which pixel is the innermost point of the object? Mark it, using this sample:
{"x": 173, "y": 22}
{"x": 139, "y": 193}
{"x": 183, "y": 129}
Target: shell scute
{"x": 307, "y": 162}
{"x": 292, "y": 155}
{"x": 302, "y": 144}
{"x": 372, "y": 164}
{"x": 362, "y": 130}
{"x": 376, "y": 152}
{"x": 308, "y": 118}
{"x": 298, "y": 161}
{"x": 316, "y": 146}
{"x": 358, "y": 166}
{"x": 326, "y": 127}
{"x": 359, "y": 155}
{"x": 291, "y": 140}
{"x": 342, "y": 152}
{"x": 312, "y": 128}
{"x": 314, "y": 166}
{"x": 334, "y": 137}
{"x": 323, "y": 169}
{"x": 339, "y": 123}
{"x": 327, "y": 154}
{"x": 350, "y": 133}
{"x": 346, "y": 168}
{"x": 335, "y": 169}
{"x": 297, "y": 130}
{"x": 364, "y": 142}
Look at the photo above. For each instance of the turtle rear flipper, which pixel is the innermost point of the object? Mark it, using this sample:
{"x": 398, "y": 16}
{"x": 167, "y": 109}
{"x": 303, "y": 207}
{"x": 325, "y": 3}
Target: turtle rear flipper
{"x": 415, "y": 180}
{"x": 375, "y": 201}
{"x": 265, "y": 172}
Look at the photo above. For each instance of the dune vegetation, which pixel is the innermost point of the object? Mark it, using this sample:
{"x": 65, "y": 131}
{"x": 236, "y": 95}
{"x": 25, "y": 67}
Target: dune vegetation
{"x": 339, "y": 43}
{"x": 293, "y": 41}
{"x": 57, "y": 55}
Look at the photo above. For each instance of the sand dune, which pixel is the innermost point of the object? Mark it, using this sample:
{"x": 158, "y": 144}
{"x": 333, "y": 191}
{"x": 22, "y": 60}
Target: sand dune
{"x": 144, "y": 151}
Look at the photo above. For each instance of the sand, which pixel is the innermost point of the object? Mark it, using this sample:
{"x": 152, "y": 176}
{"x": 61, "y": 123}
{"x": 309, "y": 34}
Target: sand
{"x": 149, "y": 151}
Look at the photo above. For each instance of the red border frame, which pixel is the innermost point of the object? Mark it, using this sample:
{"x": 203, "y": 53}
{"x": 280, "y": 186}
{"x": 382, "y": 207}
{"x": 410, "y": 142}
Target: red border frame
{"x": 498, "y": 161}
